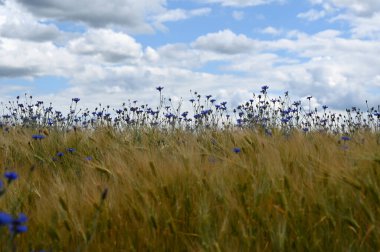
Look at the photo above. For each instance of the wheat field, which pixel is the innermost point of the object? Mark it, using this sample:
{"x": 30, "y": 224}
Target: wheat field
{"x": 175, "y": 190}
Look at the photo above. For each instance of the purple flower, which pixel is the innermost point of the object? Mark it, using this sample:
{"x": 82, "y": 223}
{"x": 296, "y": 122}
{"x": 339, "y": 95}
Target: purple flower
{"x": 264, "y": 88}
{"x": 71, "y": 150}
{"x": 345, "y": 138}
{"x": 60, "y": 154}
{"x": 10, "y": 176}
{"x": 21, "y": 219}
{"x": 159, "y": 88}
{"x": 76, "y": 100}
{"x": 236, "y": 150}
{"x": 16, "y": 226}
{"x": 38, "y": 137}
{"x": 18, "y": 229}
{"x": 5, "y": 219}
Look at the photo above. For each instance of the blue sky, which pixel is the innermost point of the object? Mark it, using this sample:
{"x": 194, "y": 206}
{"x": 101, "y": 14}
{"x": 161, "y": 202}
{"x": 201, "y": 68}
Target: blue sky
{"x": 112, "y": 51}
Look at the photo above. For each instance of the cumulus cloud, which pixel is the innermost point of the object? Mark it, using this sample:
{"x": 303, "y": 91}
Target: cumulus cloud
{"x": 241, "y": 3}
{"x": 35, "y": 59}
{"x": 110, "y": 46}
{"x": 176, "y": 15}
{"x": 225, "y": 42}
{"x": 129, "y": 14}
{"x": 271, "y": 31}
{"x": 16, "y": 23}
{"x": 362, "y": 15}
{"x": 312, "y": 15}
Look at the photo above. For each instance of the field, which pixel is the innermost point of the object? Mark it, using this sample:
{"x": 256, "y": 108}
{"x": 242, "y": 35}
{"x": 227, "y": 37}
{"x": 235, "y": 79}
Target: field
{"x": 268, "y": 181}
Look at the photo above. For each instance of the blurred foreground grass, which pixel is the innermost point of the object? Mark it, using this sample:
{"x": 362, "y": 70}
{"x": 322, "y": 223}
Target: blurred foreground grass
{"x": 181, "y": 191}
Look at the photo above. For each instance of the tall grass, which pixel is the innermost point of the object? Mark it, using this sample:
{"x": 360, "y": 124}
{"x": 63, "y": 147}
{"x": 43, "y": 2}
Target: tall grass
{"x": 183, "y": 191}
{"x": 268, "y": 175}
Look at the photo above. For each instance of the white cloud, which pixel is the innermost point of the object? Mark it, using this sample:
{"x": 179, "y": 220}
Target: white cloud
{"x": 238, "y": 15}
{"x": 109, "y": 45}
{"x": 271, "y": 31}
{"x": 362, "y": 15}
{"x": 225, "y": 42}
{"x": 36, "y": 59}
{"x": 131, "y": 15}
{"x": 176, "y": 15}
{"x": 241, "y": 3}
{"x": 312, "y": 15}
{"x": 16, "y": 23}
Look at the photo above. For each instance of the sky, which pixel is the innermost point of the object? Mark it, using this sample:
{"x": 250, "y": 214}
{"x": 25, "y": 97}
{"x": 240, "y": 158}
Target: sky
{"x": 110, "y": 51}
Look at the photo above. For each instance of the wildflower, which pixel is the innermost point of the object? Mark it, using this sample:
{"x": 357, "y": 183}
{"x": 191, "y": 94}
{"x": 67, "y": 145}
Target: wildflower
{"x": 76, "y": 100}
{"x": 10, "y": 176}
{"x": 284, "y": 120}
{"x": 5, "y": 219}
{"x": 236, "y": 150}
{"x": 17, "y": 226}
{"x": 264, "y": 88}
{"x": 159, "y": 88}
{"x": 60, "y": 154}
{"x": 38, "y": 137}
{"x": 21, "y": 219}
{"x": 184, "y": 114}
{"x": 18, "y": 229}
{"x": 88, "y": 158}
{"x": 345, "y": 138}
{"x": 71, "y": 150}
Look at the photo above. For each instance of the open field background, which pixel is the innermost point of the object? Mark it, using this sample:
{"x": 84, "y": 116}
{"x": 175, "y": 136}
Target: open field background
{"x": 238, "y": 190}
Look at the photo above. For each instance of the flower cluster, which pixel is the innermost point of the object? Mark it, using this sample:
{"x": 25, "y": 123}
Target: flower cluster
{"x": 15, "y": 224}
{"x": 260, "y": 112}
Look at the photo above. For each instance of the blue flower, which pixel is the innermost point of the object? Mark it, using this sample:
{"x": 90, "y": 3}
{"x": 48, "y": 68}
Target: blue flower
{"x": 18, "y": 229}
{"x": 345, "y": 138}
{"x": 76, "y": 100}
{"x": 38, "y": 137}
{"x": 236, "y": 150}
{"x": 264, "y": 88}
{"x": 17, "y": 225}
{"x": 21, "y": 219}
{"x": 88, "y": 158}
{"x": 284, "y": 120}
{"x": 60, "y": 154}
{"x": 10, "y": 176}
{"x": 159, "y": 88}
{"x": 5, "y": 219}
{"x": 71, "y": 150}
